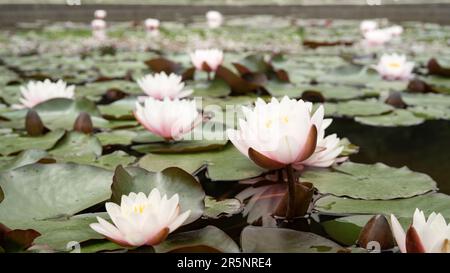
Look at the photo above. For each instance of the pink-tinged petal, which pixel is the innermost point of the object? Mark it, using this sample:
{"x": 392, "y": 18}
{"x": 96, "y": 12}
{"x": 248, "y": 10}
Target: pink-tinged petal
{"x": 238, "y": 141}
{"x": 399, "y": 234}
{"x": 179, "y": 220}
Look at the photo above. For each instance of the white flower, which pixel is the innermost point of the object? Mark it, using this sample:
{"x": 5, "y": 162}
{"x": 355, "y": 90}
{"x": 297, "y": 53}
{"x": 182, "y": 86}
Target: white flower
{"x": 100, "y": 14}
{"x": 368, "y": 25}
{"x": 151, "y": 24}
{"x": 394, "y": 30}
{"x": 376, "y": 37}
{"x": 394, "y": 67}
{"x": 285, "y": 132}
{"x": 214, "y": 18}
{"x": 170, "y": 119}
{"x": 36, "y": 92}
{"x": 207, "y": 59}
{"x": 98, "y": 24}
{"x": 426, "y": 236}
{"x": 160, "y": 86}
{"x": 141, "y": 220}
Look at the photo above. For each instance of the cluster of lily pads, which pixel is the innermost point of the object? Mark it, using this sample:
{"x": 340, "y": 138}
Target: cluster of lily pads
{"x": 106, "y": 133}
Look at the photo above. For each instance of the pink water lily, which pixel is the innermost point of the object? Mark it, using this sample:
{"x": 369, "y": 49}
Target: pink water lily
{"x": 280, "y": 133}
{"x": 430, "y": 235}
{"x": 170, "y": 119}
{"x": 36, "y": 92}
{"x": 98, "y": 24}
{"x": 368, "y": 25}
{"x": 207, "y": 59}
{"x": 394, "y": 67}
{"x": 161, "y": 85}
{"x": 100, "y": 14}
{"x": 152, "y": 26}
{"x": 141, "y": 220}
{"x": 377, "y": 37}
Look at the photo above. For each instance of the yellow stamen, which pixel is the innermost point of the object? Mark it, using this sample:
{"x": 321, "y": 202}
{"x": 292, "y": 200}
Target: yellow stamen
{"x": 394, "y": 65}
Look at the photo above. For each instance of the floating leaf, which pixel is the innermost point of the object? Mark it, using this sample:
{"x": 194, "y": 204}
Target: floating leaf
{"x": 207, "y": 239}
{"x": 226, "y": 207}
{"x": 24, "y": 158}
{"x": 13, "y": 143}
{"x": 365, "y": 181}
{"x": 356, "y": 108}
{"x": 399, "y": 117}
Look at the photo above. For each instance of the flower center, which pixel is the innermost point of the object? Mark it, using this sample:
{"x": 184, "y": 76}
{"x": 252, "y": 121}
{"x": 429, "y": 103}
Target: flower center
{"x": 269, "y": 123}
{"x": 394, "y": 65}
{"x": 285, "y": 119}
{"x": 139, "y": 208}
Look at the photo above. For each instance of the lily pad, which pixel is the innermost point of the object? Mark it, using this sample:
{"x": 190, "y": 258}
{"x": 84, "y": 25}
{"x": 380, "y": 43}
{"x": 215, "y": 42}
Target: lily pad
{"x": 364, "y": 181}
{"x": 357, "y": 108}
{"x": 170, "y": 181}
{"x": 13, "y": 143}
{"x": 24, "y": 158}
{"x": 223, "y": 164}
{"x": 346, "y": 230}
{"x": 399, "y": 117}
{"x": 437, "y": 202}
{"x": 116, "y": 137}
{"x": 77, "y": 147}
{"x": 121, "y": 109}
{"x": 280, "y": 240}
{"x": 226, "y": 207}
{"x": 180, "y": 146}
{"x": 207, "y": 239}
{"x": 51, "y": 191}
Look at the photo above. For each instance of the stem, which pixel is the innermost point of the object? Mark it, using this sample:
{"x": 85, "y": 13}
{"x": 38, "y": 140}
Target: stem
{"x": 290, "y": 211}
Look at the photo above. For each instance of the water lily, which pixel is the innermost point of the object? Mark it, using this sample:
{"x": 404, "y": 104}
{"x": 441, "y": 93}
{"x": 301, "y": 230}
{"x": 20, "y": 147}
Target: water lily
{"x": 394, "y": 30}
{"x": 280, "y": 133}
{"x": 141, "y": 220}
{"x": 394, "y": 67}
{"x": 100, "y": 14}
{"x": 152, "y": 26}
{"x": 430, "y": 235}
{"x": 207, "y": 59}
{"x": 170, "y": 119}
{"x": 214, "y": 19}
{"x": 376, "y": 37}
{"x": 36, "y": 92}
{"x": 98, "y": 29}
{"x": 368, "y": 25}
{"x": 161, "y": 85}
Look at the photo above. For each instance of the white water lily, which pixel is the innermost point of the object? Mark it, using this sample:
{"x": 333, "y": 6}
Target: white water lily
{"x": 394, "y": 30}
{"x": 394, "y": 67}
{"x": 36, "y": 92}
{"x": 161, "y": 85}
{"x": 430, "y": 235}
{"x": 207, "y": 59}
{"x": 98, "y": 24}
{"x": 368, "y": 25}
{"x": 284, "y": 132}
{"x": 141, "y": 220}
{"x": 214, "y": 19}
{"x": 170, "y": 119}
{"x": 100, "y": 14}
{"x": 376, "y": 37}
{"x": 152, "y": 25}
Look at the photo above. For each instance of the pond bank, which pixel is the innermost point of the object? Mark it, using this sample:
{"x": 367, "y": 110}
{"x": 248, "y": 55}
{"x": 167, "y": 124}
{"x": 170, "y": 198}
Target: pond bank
{"x": 9, "y": 13}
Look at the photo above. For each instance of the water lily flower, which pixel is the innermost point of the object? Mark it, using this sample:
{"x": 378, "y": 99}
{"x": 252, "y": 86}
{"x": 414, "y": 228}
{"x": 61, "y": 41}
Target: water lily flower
{"x": 368, "y": 25}
{"x": 394, "y": 67}
{"x": 100, "y": 14}
{"x": 280, "y": 133}
{"x": 152, "y": 26}
{"x": 98, "y": 29}
{"x": 207, "y": 59}
{"x": 170, "y": 119}
{"x": 430, "y": 235}
{"x": 141, "y": 220}
{"x": 214, "y": 18}
{"x": 376, "y": 37}
{"x": 395, "y": 30}
{"x": 36, "y": 92}
{"x": 161, "y": 85}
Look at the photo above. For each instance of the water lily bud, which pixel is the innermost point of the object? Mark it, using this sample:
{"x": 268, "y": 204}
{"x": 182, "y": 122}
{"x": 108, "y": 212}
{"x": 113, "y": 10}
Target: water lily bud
{"x": 33, "y": 123}
{"x": 377, "y": 230}
{"x": 395, "y": 99}
{"x": 83, "y": 123}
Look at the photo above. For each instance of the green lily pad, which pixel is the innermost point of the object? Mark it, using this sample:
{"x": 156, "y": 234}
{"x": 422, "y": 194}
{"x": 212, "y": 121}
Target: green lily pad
{"x": 346, "y": 230}
{"x": 180, "y": 146}
{"x": 48, "y": 191}
{"x": 223, "y": 164}
{"x": 280, "y": 240}
{"x": 207, "y": 239}
{"x": 13, "y": 143}
{"x": 112, "y": 160}
{"x": 170, "y": 181}
{"x": 364, "y": 181}
{"x": 77, "y": 147}
{"x": 227, "y": 207}
{"x": 428, "y": 99}
{"x": 437, "y": 202}
{"x": 431, "y": 112}
{"x": 356, "y": 108}
{"x": 121, "y": 109}
{"x": 399, "y": 117}
{"x": 116, "y": 137}
{"x": 24, "y": 158}
{"x": 97, "y": 89}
